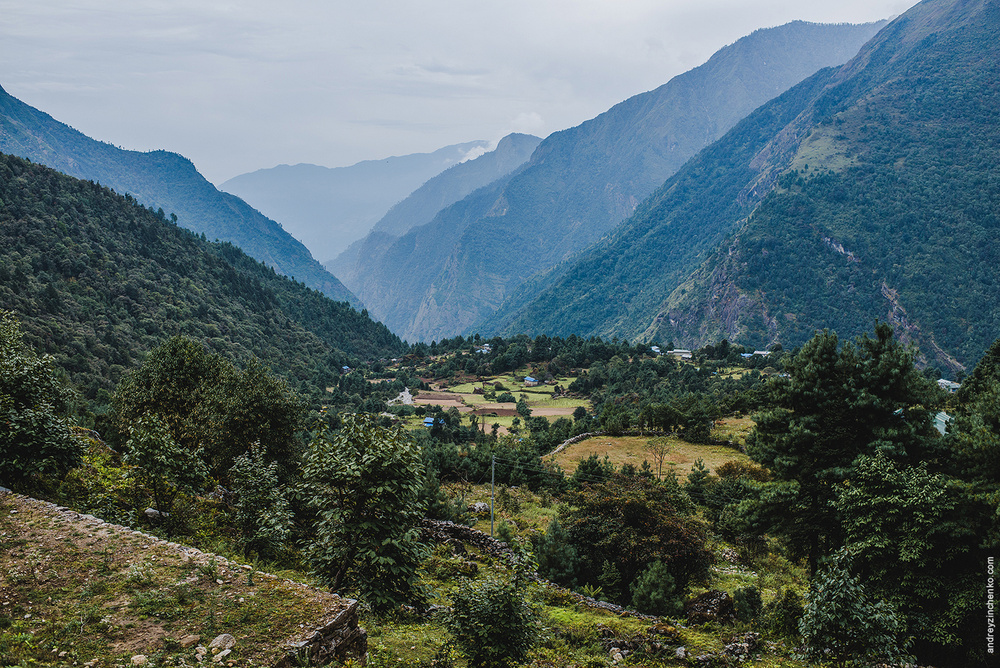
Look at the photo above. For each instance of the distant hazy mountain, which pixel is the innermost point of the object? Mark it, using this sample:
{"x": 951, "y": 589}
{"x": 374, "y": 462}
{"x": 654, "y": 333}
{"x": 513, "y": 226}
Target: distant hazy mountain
{"x": 871, "y": 191}
{"x": 329, "y": 208}
{"x": 581, "y": 182}
{"x": 420, "y": 207}
{"x": 160, "y": 179}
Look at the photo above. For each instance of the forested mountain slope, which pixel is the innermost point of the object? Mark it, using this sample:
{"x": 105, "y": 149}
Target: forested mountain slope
{"x": 328, "y": 208}
{"x": 583, "y": 181}
{"x": 877, "y": 197}
{"x": 97, "y": 281}
{"x": 161, "y": 180}
{"x": 420, "y": 206}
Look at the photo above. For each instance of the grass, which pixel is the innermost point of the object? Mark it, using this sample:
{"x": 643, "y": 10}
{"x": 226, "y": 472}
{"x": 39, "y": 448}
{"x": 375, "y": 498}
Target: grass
{"x": 75, "y": 593}
{"x": 632, "y": 450}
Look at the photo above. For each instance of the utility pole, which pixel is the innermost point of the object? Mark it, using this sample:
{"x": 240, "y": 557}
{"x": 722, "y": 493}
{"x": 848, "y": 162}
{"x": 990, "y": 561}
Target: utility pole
{"x": 493, "y": 477}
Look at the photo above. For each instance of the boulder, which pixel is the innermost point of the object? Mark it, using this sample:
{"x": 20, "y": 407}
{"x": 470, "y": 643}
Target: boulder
{"x": 712, "y": 606}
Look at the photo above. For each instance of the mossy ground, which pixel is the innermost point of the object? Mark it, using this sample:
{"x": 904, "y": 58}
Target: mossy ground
{"x": 78, "y": 593}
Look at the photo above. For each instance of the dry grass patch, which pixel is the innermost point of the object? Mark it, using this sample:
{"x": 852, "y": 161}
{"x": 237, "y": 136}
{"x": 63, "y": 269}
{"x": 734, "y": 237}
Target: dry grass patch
{"x": 633, "y": 450}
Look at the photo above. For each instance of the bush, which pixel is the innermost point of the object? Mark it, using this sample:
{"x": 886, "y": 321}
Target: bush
{"x": 633, "y": 522}
{"x": 365, "y": 484}
{"x": 782, "y": 615}
{"x": 34, "y": 431}
{"x": 748, "y": 604}
{"x": 844, "y": 626}
{"x": 556, "y": 557}
{"x": 506, "y": 398}
{"x": 492, "y": 623}
{"x": 655, "y": 591}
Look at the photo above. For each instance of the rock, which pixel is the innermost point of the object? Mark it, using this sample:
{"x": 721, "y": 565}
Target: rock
{"x": 712, "y": 606}
{"x": 189, "y": 641}
{"x": 225, "y": 641}
{"x": 680, "y": 653}
{"x": 218, "y": 658}
{"x": 140, "y": 660}
{"x": 742, "y": 646}
{"x": 153, "y": 513}
{"x": 480, "y": 508}
{"x": 667, "y": 632}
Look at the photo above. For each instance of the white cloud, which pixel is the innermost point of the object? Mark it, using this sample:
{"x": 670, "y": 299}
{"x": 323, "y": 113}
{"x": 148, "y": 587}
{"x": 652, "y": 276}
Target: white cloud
{"x": 530, "y": 123}
{"x": 237, "y": 86}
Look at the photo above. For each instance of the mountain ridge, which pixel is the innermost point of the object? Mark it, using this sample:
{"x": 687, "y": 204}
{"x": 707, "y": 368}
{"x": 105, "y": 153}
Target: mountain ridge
{"x": 164, "y": 180}
{"x": 582, "y": 181}
{"x": 436, "y": 194}
{"x": 875, "y": 201}
{"x": 328, "y": 208}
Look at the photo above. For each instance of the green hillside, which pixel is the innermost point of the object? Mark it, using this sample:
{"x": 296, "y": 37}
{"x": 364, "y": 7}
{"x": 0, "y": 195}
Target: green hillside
{"x": 582, "y": 182}
{"x": 885, "y": 208}
{"x": 97, "y": 281}
{"x": 162, "y": 180}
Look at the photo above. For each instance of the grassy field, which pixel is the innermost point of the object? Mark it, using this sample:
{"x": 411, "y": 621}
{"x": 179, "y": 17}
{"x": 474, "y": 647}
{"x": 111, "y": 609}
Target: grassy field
{"x": 633, "y": 450}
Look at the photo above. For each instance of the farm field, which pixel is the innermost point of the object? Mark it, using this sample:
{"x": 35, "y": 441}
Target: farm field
{"x": 463, "y": 398}
{"x": 632, "y": 450}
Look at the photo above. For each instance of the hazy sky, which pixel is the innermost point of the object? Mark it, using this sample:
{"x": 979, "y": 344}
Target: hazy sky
{"x": 239, "y": 85}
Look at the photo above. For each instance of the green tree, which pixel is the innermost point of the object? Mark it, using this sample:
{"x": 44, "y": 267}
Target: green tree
{"x": 34, "y": 431}
{"x": 655, "y": 591}
{"x": 844, "y": 626}
{"x": 834, "y": 405}
{"x": 492, "y": 622}
{"x": 210, "y": 405}
{"x": 162, "y": 465}
{"x": 522, "y": 408}
{"x": 920, "y": 541}
{"x": 633, "y": 522}
{"x": 974, "y": 433}
{"x": 263, "y": 516}
{"x": 365, "y": 482}
{"x": 556, "y": 558}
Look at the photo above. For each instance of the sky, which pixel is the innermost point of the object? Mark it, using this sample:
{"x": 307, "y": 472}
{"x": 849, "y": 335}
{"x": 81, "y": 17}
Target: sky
{"x": 240, "y": 85}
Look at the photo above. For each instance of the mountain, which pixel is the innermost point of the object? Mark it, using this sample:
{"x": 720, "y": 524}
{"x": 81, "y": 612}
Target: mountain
{"x": 868, "y": 192}
{"x": 423, "y": 204}
{"x": 98, "y": 280}
{"x": 161, "y": 180}
{"x": 581, "y": 182}
{"x": 328, "y": 208}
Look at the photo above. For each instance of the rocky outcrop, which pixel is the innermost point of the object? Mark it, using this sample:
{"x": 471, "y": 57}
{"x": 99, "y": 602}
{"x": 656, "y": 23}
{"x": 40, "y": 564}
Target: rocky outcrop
{"x": 338, "y": 640}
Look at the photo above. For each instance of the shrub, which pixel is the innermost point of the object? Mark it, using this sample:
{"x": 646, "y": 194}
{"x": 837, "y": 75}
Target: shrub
{"x": 782, "y": 615}
{"x": 844, "y": 626}
{"x": 655, "y": 591}
{"x": 556, "y": 557}
{"x": 748, "y": 604}
{"x": 492, "y": 623}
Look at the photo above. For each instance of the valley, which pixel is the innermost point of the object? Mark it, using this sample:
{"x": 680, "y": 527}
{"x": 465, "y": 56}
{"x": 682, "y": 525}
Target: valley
{"x": 709, "y": 379}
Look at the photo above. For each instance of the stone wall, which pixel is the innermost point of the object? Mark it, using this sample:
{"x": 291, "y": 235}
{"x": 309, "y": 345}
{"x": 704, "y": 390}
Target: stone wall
{"x": 338, "y": 640}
